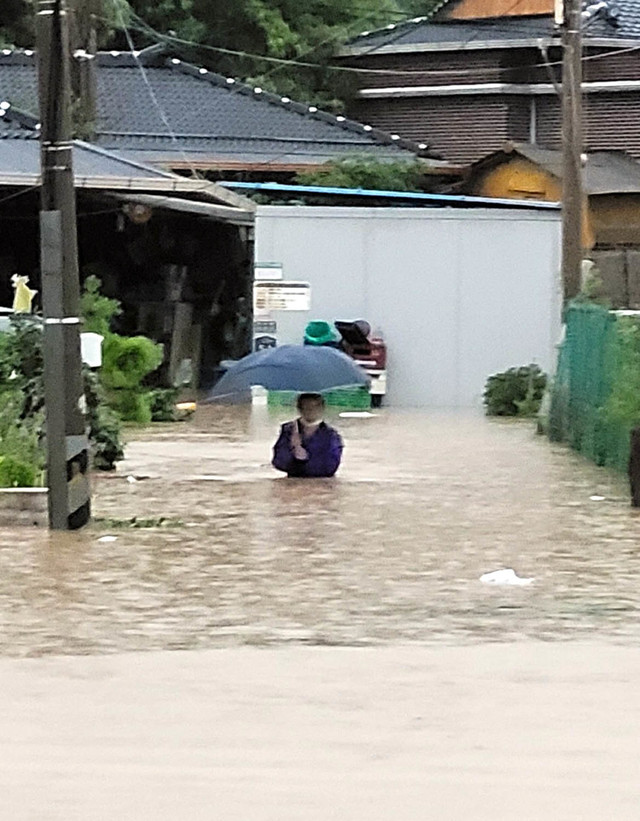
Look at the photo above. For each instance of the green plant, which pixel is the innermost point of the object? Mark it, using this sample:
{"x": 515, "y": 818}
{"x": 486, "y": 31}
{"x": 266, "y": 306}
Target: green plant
{"x": 97, "y": 310}
{"x": 163, "y": 404}
{"x": 104, "y": 424}
{"x": 21, "y": 453}
{"x": 515, "y": 392}
{"x": 368, "y": 173}
{"x": 623, "y": 403}
{"x": 126, "y": 360}
{"x": 21, "y": 362}
{"x": 131, "y": 405}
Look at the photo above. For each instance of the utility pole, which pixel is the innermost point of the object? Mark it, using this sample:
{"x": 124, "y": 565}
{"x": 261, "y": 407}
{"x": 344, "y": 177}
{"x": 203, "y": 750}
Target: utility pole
{"x": 67, "y": 445}
{"x": 572, "y": 147}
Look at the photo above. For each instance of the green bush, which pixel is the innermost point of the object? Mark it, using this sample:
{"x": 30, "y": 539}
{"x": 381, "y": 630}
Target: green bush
{"x": 22, "y": 456}
{"x": 126, "y": 360}
{"x": 97, "y": 311}
{"x": 367, "y": 173}
{"x": 622, "y": 406}
{"x": 104, "y": 424}
{"x": 17, "y": 473}
{"x": 163, "y": 404}
{"x": 131, "y": 405}
{"x": 516, "y": 392}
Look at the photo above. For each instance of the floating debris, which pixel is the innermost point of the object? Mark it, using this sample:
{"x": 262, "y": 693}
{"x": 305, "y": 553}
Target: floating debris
{"x": 506, "y": 576}
{"x": 135, "y": 522}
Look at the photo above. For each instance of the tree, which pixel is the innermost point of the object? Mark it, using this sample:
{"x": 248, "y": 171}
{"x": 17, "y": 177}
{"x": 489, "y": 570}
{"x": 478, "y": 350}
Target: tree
{"x": 367, "y": 173}
{"x": 301, "y": 30}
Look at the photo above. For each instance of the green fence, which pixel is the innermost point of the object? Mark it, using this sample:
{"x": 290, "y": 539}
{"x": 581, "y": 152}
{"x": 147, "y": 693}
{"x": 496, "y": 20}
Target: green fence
{"x": 592, "y": 361}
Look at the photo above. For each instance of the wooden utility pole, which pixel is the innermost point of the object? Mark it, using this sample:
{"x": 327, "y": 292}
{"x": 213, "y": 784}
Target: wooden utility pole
{"x": 572, "y": 147}
{"x": 67, "y": 445}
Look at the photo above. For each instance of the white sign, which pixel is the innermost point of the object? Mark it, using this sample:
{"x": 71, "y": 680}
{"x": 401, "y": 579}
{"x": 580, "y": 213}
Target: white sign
{"x": 281, "y": 296}
{"x": 267, "y": 271}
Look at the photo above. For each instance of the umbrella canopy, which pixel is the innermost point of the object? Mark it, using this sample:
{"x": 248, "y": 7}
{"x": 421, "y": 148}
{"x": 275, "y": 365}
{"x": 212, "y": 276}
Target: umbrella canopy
{"x": 306, "y": 369}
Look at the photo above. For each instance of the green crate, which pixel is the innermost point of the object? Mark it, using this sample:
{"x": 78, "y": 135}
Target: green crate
{"x": 353, "y": 398}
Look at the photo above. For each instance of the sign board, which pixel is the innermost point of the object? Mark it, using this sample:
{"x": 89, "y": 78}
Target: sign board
{"x": 281, "y": 296}
{"x": 269, "y": 271}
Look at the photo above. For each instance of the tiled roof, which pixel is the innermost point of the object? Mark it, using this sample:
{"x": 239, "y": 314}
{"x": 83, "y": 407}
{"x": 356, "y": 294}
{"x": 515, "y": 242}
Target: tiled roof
{"x": 605, "y": 172}
{"x": 621, "y": 22}
{"x": 197, "y": 112}
{"x": 95, "y": 167}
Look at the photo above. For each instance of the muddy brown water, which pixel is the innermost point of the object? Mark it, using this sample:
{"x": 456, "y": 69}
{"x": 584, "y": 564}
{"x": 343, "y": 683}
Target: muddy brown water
{"x": 389, "y": 551}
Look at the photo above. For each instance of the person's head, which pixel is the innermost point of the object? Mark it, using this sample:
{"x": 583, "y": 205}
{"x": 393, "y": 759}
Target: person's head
{"x": 311, "y": 407}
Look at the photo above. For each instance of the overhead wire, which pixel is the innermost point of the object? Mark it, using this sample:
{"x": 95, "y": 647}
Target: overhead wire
{"x": 168, "y": 39}
{"x": 141, "y": 26}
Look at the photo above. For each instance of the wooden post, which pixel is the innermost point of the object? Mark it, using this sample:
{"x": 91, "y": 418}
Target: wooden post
{"x": 572, "y": 196}
{"x": 67, "y": 445}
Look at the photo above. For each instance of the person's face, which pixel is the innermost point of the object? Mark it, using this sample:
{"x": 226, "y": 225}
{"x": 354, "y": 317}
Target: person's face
{"x": 311, "y": 410}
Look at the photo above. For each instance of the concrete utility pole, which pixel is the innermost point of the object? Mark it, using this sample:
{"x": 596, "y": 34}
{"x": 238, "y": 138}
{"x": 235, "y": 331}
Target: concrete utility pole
{"x": 67, "y": 445}
{"x": 572, "y": 147}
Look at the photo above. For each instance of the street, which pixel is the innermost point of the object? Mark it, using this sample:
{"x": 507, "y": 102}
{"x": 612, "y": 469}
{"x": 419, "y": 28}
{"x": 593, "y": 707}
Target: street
{"x": 334, "y": 652}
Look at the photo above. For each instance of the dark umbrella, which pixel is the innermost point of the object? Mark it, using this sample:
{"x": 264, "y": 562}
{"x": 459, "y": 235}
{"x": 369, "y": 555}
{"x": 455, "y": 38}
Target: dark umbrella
{"x": 305, "y": 369}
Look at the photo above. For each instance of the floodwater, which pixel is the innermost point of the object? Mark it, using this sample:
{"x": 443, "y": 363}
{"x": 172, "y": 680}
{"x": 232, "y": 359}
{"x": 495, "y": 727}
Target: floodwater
{"x": 388, "y": 552}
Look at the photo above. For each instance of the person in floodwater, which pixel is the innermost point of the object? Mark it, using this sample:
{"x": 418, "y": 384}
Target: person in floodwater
{"x": 307, "y": 446}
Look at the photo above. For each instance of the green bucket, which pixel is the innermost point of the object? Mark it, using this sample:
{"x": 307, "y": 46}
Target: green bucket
{"x": 319, "y": 332}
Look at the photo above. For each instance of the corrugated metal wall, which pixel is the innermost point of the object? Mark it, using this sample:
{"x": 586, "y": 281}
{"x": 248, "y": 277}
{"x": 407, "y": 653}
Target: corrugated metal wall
{"x": 466, "y": 128}
{"x": 461, "y": 129}
{"x": 458, "y": 293}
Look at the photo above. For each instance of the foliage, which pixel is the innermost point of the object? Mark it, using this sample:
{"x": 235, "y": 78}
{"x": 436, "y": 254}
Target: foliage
{"x": 22, "y": 364}
{"x": 515, "y": 392}
{"x": 162, "y": 402}
{"x": 623, "y": 404}
{"x": 97, "y": 310}
{"x": 104, "y": 424}
{"x": 22, "y": 400}
{"x": 308, "y": 31}
{"x": 21, "y": 454}
{"x": 126, "y": 360}
{"x": 131, "y": 405}
{"x": 365, "y": 172}
{"x": 125, "y": 363}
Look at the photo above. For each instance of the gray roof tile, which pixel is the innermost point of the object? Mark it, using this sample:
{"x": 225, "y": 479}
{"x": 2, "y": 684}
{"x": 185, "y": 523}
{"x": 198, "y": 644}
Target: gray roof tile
{"x": 195, "y": 111}
{"x": 426, "y": 31}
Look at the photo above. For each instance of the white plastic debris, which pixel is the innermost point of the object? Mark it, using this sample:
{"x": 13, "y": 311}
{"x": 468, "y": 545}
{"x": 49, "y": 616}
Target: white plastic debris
{"x": 506, "y": 576}
{"x": 356, "y": 415}
{"x": 105, "y": 539}
{"x": 597, "y": 498}
{"x": 131, "y": 479}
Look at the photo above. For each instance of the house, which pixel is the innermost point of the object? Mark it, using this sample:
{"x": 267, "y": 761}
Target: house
{"x": 477, "y": 73}
{"x": 176, "y": 251}
{"x": 611, "y": 223}
{"x": 165, "y": 112}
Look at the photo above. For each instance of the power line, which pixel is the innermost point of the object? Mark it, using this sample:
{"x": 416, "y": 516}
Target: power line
{"x": 167, "y": 39}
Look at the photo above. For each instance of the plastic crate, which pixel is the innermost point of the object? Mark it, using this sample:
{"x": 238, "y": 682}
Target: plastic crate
{"x": 354, "y": 398}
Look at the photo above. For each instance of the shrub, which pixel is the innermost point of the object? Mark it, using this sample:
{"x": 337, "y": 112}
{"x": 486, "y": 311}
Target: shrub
{"x": 623, "y": 404}
{"x": 21, "y": 454}
{"x": 126, "y": 360}
{"x": 131, "y": 405}
{"x": 515, "y": 392}
{"x": 163, "y": 404}
{"x": 17, "y": 473}
{"x": 104, "y": 424}
{"x": 365, "y": 172}
{"x": 97, "y": 310}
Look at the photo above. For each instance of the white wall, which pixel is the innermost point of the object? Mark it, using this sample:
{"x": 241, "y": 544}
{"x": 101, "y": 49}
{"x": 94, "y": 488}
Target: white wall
{"x": 458, "y": 293}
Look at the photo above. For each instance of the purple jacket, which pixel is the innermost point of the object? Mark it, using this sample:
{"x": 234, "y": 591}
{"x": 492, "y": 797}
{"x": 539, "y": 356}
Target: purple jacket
{"x": 324, "y": 447}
